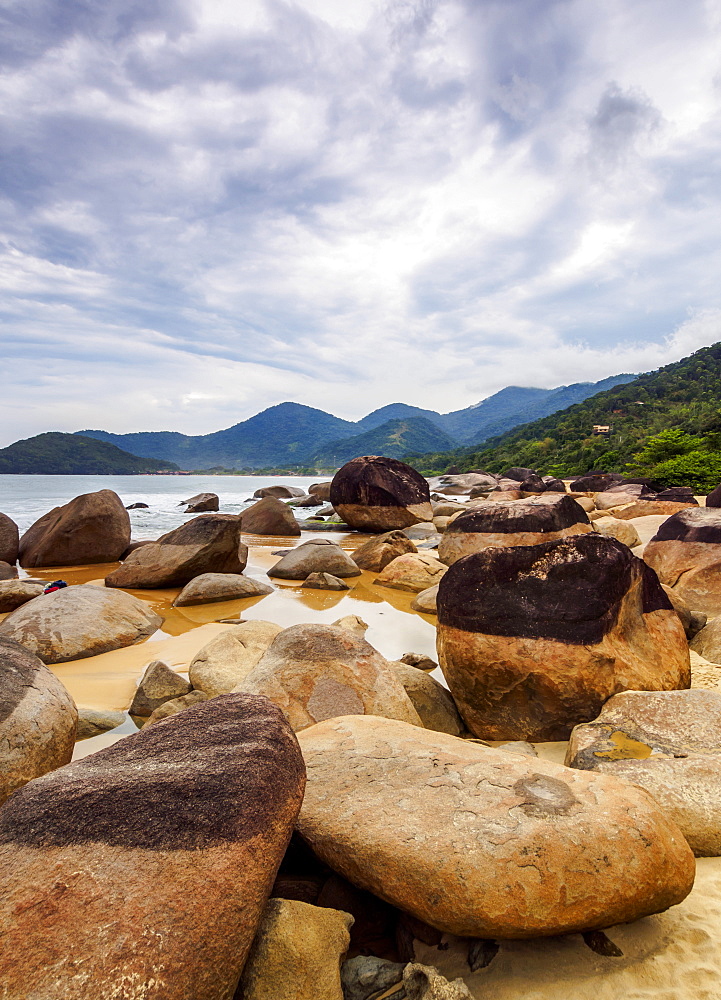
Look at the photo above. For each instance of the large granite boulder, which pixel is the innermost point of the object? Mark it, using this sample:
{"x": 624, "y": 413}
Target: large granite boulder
{"x": 143, "y": 869}
{"x": 92, "y": 528}
{"x": 321, "y": 491}
{"x": 279, "y": 492}
{"x": 464, "y": 483}
{"x": 645, "y": 506}
{"x": 159, "y": 684}
{"x": 526, "y": 522}
{"x": 685, "y": 552}
{"x": 38, "y": 719}
{"x": 483, "y": 843}
{"x": 15, "y": 593}
{"x": 209, "y": 588}
{"x": 318, "y": 555}
{"x": 714, "y": 497}
{"x": 377, "y": 552}
{"x": 9, "y": 540}
{"x": 413, "y": 572}
{"x": 202, "y": 502}
{"x": 707, "y": 641}
{"x": 433, "y": 702}
{"x": 316, "y": 672}
{"x": 269, "y": 516}
{"x": 209, "y": 543}
{"x": 227, "y": 659}
{"x": 534, "y": 639}
{"x": 373, "y": 493}
{"x": 623, "y": 531}
{"x": 692, "y": 621}
{"x": 426, "y": 601}
{"x": 76, "y": 622}
{"x": 668, "y": 743}
{"x": 8, "y": 572}
{"x": 595, "y": 482}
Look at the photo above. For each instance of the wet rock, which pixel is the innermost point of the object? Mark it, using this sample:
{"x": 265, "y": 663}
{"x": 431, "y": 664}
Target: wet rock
{"x": 527, "y": 522}
{"x": 92, "y": 528}
{"x": 621, "y": 530}
{"x": 138, "y": 506}
{"x": 269, "y": 516}
{"x": 15, "y": 593}
{"x": 226, "y": 660}
{"x": 354, "y": 622}
{"x": 433, "y": 702}
{"x": 316, "y": 672}
{"x": 423, "y": 982}
{"x": 707, "y": 642}
{"x": 376, "y": 553}
{"x": 324, "y": 581}
{"x": 379, "y": 494}
{"x": 279, "y": 492}
{"x": 319, "y": 555}
{"x": 685, "y": 552}
{"x": 209, "y": 588}
{"x": 426, "y": 601}
{"x": 38, "y": 719}
{"x": 714, "y": 497}
{"x": 534, "y": 639}
{"x": 296, "y": 953}
{"x": 151, "y": 831}
{"x": 306, "y": 501}
{"x": 159, "y": 684}
{"x": 419, "y": 660}
{"x": 321, "y": 490}
{"x": 7, "y": 572}
{"x": 202, "y": 502}
{"x": 209, "y": 543}
{"x": 549, "y": 850}
{"x": 692, "y": 621}
{"x": 414, "y": 572}
{"x": 667, "y": 743}
{"x": 365, "y": 976}
{"x": 76, "y": 622}
{"x": 9, "y": 540}
{"x": 175, "y": 706}
{"x": 93, "y": 722}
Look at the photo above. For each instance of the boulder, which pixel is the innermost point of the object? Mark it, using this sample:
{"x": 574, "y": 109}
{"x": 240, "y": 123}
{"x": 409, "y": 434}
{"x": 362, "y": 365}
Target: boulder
{"x": 175, "y": 706}
{"x": 209, "y": 543}
{"x": 159, "y": 684}
{"x": 137, "y": 506}
{"x": 505, "y": 495}
{"x": 280, "y": 492}
{"x": 365, "y": 976}
{"x": 433, "y": 702}
{"x": 554, "y": 485}
{"x": 297, "y": 953}
{"x": 9, "y": 540}
{"x": 424, "y": 982}
{"x": 324, "y": 581}
{"x": 419, "y": 660}
{"x": 527, "y": 522}
{"x": 76, "y": 622}
{"x": 269, "y": 516}
{"x": 306, "y": 501}
{"x": 226, "y": 660}
{"x": 94, "y": 721}
{"x": 667, "y": 743}
{"x": 707, "y": 642}
{"x": 465, "y": 482}
{"x": 14, "y": 593}
{"x": 649, "y": 505}
{"x": 518, "y": 474}
{"x": 319, "y": 555}
{"x": 38, "y": 719}
{"x": 92, "y": 528}
{"x": 426, "y": 601}
{"x": 143, "y": 869}
{"x": 685, "y": 552}
{"x": 610, "y": 499}
{"x": 414, "y": 572}
{"x": 692, "y": 621}
{"x": 201, "y": 503}
{"x": 546, "y": 849}
{"x": 534, "y": 639}
{"x": 620, "y": 530}
{"x": 321, "y": 490}
{"x": 595, "y": 482}
{"x": 377, "y": 552}
{"x": 209, "y": 588}
{"x": 8, "y": 572}
{"x": 379, "y": 494}
{"x": 316, "y": 672}
{"x": 534, "y": 484}
{"x": 712, "y": 500}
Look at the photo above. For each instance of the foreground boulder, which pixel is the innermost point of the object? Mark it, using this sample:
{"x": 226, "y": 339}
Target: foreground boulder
{"x": 38, "y": 719}
{"x": 466, "y": 819}
{"x": 685, "y": 552}
{"x": 269, "y": 517}
{"x": 414, "y": 572}
{"x": 75, "y": 622}
{"x": 9, "y": 540}
{"x": 668, "y": 743}
{"x": 92, "y": 528}
{"x": 209, "y": 588}
{"x": 209, "y": 543}
{"x": 373, "y": 493}
{"x": 316, "y": 672}
{"x": 534, "y": 639}
{"x": 225, "y": 661}
{"x": 143, "y": 870}
{"x": 319, "y": 555}
{"x": 376, "y": 553}
{"x": 526, "y": 522}
{"x": 14, "y": 593}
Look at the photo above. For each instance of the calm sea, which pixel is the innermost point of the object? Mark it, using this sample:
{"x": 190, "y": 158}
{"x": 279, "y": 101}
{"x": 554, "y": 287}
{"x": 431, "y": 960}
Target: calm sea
{"x": 26, "y": 498}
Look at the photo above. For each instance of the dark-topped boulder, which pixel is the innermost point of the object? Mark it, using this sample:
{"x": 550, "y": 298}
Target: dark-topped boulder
{"x": 534, "y": 484}
{"x": 373, "y": 493}
{"x": 534, "y": 639}
{"x": 554, "y": 485}
{"x": 714, "y": 497}
{"x": 269, "y": 516}
{"x": 377, "y": 552}
{"x": 202, "y": 503}
{"x": 209, "y": 588}
{"x": 595, "y": 482}
{"x": 138, "y": 506}
{"x": 76, "y": 622}
{"x": 280, "y": 492}
{"x": 15, "y": 593}
{"x": 209, "y": 543}
{"x": 143, "y": 869}
{"x": 9, "y": 540}
{"x": 318, "y": 555}
{"x": 518, "y": 474}
{"x": 685, "y": 552}
{"x": 8, "y": 572}
{"x": 92, "y": 528}
{"x": 159, "y": 684}
{"x": 321, "y": 490}
{"x": 38, "y": 719}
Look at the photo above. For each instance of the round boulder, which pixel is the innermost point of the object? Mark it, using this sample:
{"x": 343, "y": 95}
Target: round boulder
{"x": 269, "y": 516}
{"x": 685, "y": 552}
{"x": 9, "y": 540}
{"x": 413, "y": 572}
{"x": 15, "y": 593}
{"x": 223, "y": 663}
{"x": 373, "y": 493}
{"x": 209, "y": 588}
{"x": 92, "y": 528}
{"x": 376, "y": 553}
{"x": 318, "y": 555}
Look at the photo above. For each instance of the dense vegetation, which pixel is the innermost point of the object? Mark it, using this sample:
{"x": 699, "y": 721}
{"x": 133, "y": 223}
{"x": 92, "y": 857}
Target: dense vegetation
{"x": 72, "y": 455}
{"x": 394, "y": 439}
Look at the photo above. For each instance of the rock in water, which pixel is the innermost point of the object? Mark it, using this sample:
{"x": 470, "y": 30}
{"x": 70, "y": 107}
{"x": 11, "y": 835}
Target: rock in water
{"x": 423, "y": 982}
{"x": 318, "y": 555}
{"x": 159, "y": 684}
{"x": 202, "y": 502}
{"x": 379, "y": 494}
{"x": 297, "y": 953}
{"x": 413, "y": 572}
{"x": 209, "y": 588}
{"x": 142, "y": 871}
{"x": 75, "y": 622}
{"x": 534, "y": 639}
{"x": 376, "y": 553}
{"x": 668, "y": 743}
{"x": 15, "y": 593}
{"x": 482, "y": 843}
{"x": 685, "y": 552}
{"x": 92, "y": 528}
{"x": 38, "y": 719}
{"x": 526, "y": 522}
{"x": 225, "y": 661}
{"x": 269, "y": 517}
{"x": 324, "y": 581}
{"x": 209, "y": 543}
{"x": 9, "y": 540}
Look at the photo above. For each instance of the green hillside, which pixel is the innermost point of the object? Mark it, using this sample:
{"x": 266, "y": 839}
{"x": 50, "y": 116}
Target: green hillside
{"x": 56, "y": 454}
{"x": 394, "y": 439}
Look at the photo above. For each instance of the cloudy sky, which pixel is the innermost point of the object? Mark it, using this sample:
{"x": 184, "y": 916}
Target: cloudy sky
{"x": 208, "y": 207}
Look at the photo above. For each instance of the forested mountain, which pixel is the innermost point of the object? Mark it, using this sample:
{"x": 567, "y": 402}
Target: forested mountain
{"x": 394, "y": 439}
{"x": 72, "y": 455}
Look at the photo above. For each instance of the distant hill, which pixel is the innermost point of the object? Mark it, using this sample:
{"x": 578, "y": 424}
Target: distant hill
{"x": 57, "y": 454}
{"x": 394, "y": 439}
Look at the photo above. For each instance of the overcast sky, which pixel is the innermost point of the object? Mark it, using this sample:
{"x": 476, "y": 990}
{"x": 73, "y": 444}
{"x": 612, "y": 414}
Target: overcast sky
{"x": 212, "y": 206}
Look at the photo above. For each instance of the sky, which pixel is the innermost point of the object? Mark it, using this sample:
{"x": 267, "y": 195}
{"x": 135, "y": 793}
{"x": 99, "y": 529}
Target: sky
{"x": 210, "y": 207}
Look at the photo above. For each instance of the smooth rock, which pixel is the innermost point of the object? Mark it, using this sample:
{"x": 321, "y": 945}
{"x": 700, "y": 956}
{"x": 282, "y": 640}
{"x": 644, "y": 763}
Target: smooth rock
{"x": 426, "y": 601}
{"x": 423, "y": 982}
{"x": 82, "y": 621}
{"x": 621, "y": 530}
{"x": 433, "y": 702}
{"x": 376, "y": 553}
{"x": 484, "y": 843}
{"x": 373, "y": 493}
{"x": 203, "y": 502}
{"x": 225, "y": 661}
{"x": 9, "y": 540}
{"x": 15, "y": 593}
{"x": 38, "y": 719}
{"x": 269, "y": 516}
{"x": 137, "y": 506}
{"x": 419, "y": 660}
{"x": 92, "y": 528}
{"x": 414, "y": 572}
{"x": 209, "y": 588}
{"x": 595, "y": 482}
{"x": 534, "y": 639}
{"x": 318, "y": 555}
{"x": 279, "y": 492}
{"x": 354, "y": 622}
{"x": 324, "y": 581}
{"x": 643, "y": 507}
{"x": 316, "y": 672}
{"x": 692, "y": 621}
{"x": 714, "y": 497}
{"x": 8, "y": 572}
{"x": 306, "y": 501}
{"x": 142, "y": 871}
{"x": 685, "y": 552}
{"x": 365, "y": 976}
{"x": 175, "y": 706}
{"x": 93, "y": 721}
{"x": 707, "y": 642}
{"x": 321, "y": 490}
{"x": 159, "y": 684}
